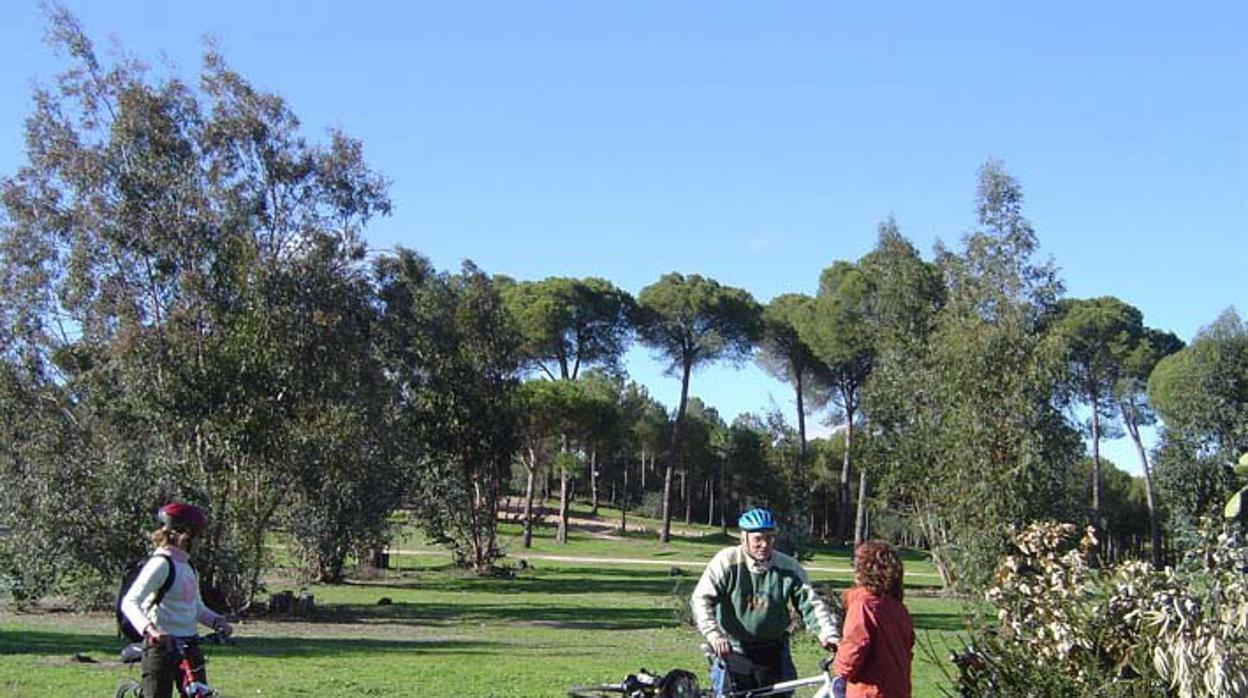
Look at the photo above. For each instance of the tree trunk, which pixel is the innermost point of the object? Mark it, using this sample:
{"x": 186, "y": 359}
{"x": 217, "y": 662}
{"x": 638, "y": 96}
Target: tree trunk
{"x": 801, "y": 499}
{"x": 561, "y": 534}
{"x": 938, "y": 544}
{"x": 529, "y": 486}
{"x": 710, "y": 501}
{"x": 686, "y": 486}
{"x": 860, "y": 522}
{"x": 593, "y": 481}
{"x": 1096, "y": 464}
{"x": 842, "y": 530}
{"x": 474, "y": 527}
{"x": 624, "y": 499}
{"x": 643, "y": 471}
{"x": 1154, "y": 529}
{"x": 665, "y": 533}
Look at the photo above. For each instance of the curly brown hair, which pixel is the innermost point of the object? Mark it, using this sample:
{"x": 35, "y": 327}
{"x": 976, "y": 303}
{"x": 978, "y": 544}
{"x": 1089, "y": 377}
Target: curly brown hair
{"x": 878, "y": 568}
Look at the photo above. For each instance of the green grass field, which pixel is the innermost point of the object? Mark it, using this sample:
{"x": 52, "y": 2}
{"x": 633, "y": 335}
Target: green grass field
{"x": 445, "y": 633}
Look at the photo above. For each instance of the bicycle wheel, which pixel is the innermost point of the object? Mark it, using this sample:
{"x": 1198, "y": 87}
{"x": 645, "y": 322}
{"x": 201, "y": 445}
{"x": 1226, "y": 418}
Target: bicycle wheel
{"x": 601, "y": 690}
{"x": 128, "y": 688}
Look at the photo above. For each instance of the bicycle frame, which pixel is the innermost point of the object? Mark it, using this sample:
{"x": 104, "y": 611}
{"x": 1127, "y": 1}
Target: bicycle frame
{"x": 185, "y": 682}
{"x": 823, "y": 680}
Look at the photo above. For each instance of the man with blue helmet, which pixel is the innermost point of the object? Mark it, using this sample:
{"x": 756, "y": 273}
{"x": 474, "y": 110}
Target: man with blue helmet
{"x": 741, "y": 605}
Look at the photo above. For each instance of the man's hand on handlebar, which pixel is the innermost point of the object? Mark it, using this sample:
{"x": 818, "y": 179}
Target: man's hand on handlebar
{"x": 721, "y": 647}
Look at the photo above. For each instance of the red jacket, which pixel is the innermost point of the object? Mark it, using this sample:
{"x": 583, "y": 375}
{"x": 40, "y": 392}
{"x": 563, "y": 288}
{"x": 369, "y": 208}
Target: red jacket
{"x": 876, "y": 647}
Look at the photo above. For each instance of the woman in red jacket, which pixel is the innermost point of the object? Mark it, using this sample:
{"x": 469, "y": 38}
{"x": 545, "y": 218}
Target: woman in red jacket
{"x": 877, "y": 644}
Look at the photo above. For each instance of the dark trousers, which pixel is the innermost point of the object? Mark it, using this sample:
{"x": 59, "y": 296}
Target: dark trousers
{"x": 762, "y": 664}
{"x": 160, "y": 668}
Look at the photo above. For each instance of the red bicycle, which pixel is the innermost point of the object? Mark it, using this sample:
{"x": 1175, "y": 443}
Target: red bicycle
{"x": 187, "y": 684}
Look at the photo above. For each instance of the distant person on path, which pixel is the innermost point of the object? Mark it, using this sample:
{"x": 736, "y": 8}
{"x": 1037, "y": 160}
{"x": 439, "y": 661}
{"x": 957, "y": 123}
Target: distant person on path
{"x": 179, "y": 609}
{"x": 741, "y": 605}
{"x": 873, "y": 660}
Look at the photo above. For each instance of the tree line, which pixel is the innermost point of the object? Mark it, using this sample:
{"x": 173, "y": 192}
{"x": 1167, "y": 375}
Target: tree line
{"x": 190, "y": 311}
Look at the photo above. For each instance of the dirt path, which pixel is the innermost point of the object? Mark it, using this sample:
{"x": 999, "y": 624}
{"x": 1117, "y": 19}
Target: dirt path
{"x": 636, "y": 561}
{"x": 509, "y": 509}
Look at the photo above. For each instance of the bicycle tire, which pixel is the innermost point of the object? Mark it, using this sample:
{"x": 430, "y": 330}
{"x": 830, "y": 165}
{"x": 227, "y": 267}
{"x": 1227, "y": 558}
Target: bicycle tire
{"x": 129, "y": 688}
{"x": 598, "y": 690}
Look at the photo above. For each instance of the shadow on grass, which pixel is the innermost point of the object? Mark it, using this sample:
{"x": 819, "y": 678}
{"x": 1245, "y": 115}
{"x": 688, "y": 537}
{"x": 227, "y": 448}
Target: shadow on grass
{"x": 553, "y": 598}
{"x": 45, "y": 642}
{"x": 543, "y": 578}
{"x": 50, "y": 643}
{"x": 552, "y": 615}
{"x": 938, "y": 620}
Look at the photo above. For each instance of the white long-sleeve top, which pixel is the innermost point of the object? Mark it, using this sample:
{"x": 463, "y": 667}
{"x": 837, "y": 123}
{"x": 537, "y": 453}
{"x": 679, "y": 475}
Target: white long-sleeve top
{"x": 180, "y": 608}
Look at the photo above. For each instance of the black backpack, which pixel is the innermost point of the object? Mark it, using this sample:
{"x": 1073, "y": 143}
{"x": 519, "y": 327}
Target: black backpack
{"x": 124, "y": 628}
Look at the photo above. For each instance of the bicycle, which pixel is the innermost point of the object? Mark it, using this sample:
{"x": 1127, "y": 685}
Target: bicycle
{"x": 185, "y": 682}
{"x": 643, "y": 684}
{"x": 824, "y": 680}
{"x": 678, "y": 683}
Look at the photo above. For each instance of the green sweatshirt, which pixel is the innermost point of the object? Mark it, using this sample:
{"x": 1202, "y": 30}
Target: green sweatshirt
{"x": 746, "y": 601}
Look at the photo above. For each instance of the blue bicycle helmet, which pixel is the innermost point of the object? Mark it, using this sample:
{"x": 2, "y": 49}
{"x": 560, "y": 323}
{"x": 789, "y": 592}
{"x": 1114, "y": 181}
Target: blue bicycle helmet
{"x": 757, "y": 520}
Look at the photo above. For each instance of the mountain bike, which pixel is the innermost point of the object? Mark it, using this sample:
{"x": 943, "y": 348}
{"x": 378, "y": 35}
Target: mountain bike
{"x": 678, "y": 683}
{"x": 185, "y": 682}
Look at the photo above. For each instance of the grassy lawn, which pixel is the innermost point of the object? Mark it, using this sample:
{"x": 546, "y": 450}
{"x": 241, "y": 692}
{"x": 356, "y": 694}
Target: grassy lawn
{"x": 425, "y": 629}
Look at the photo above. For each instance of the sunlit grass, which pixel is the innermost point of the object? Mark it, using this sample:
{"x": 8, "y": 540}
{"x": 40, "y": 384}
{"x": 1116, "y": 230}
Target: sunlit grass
{"x": 423, "y": 628}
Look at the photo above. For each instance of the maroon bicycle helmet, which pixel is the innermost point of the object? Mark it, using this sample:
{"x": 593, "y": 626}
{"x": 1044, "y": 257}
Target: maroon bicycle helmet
{"x": 179, "y": 515}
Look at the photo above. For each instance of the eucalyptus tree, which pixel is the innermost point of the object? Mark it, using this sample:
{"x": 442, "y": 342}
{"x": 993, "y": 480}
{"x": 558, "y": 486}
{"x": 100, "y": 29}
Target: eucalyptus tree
{"x": 783, "y": 354}
{"x": 907, "y": 297}
{"x": 142, "y": 241}
{"x": 1201, "y": 395}
{"x": 351, "y": 475}
{"x": 839, "y": 335}
{"x": 454, "y": 358}
{"x": 1000, "y": 446}
{"x": 691, "y": 321}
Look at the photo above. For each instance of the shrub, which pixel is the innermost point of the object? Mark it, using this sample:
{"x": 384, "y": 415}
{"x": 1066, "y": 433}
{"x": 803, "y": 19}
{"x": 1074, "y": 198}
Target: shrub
{"x": 1063, "y": 627}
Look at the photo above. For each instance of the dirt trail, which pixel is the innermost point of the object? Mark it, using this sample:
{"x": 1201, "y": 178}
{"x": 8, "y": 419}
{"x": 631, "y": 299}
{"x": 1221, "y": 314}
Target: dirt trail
{"x": 511, "y": 508}
{"x": 634, "y": 561}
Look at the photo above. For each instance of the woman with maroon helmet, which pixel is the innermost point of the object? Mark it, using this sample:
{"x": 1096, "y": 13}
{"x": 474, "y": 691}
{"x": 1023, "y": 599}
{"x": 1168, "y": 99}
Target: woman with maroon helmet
{"x": 179, "y": 609}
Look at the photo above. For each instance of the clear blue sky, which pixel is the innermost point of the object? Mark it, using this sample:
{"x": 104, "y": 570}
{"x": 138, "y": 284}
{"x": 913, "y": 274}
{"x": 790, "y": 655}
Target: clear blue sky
{"x": 754, "y": 143}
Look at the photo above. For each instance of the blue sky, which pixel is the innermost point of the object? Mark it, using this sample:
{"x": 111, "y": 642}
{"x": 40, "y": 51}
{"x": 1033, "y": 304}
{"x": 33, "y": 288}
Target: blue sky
{"x": 754, "y": 143}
